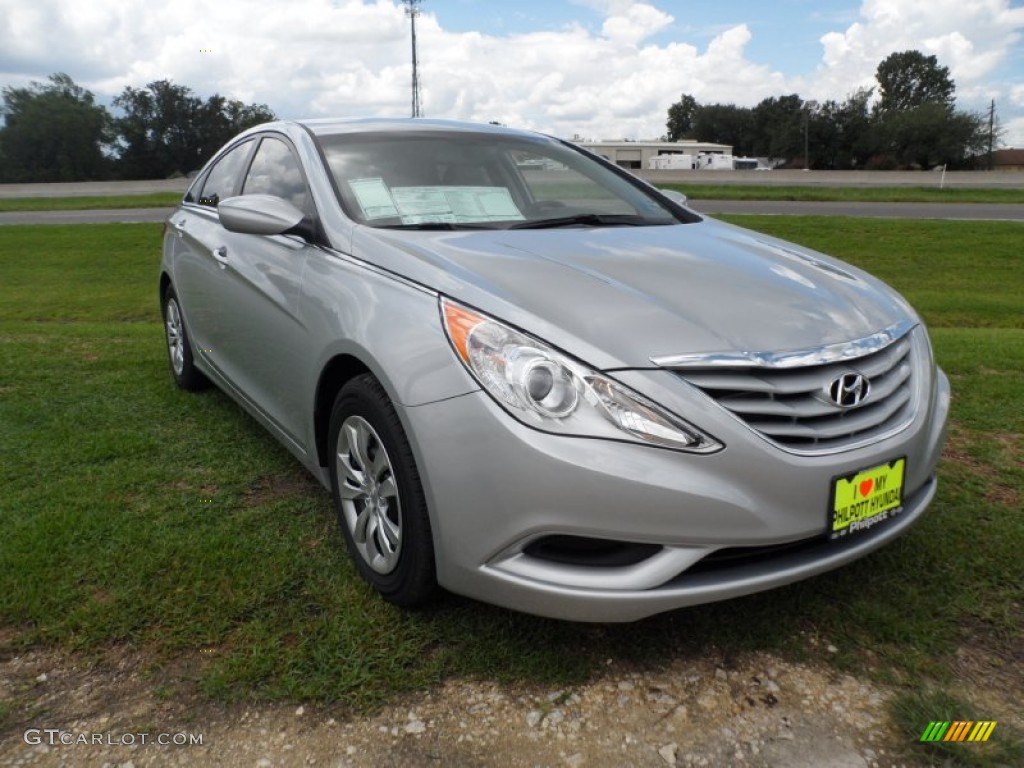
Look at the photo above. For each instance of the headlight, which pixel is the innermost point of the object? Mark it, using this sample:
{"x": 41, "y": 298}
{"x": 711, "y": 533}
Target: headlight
{"x": 550, "y": 391}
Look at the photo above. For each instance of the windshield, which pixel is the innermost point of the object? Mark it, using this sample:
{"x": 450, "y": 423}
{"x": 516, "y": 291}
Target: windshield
{"x": 458, "y": 180}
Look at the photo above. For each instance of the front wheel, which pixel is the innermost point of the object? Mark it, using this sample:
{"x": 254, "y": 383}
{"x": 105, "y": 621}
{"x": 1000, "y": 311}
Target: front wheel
{"x": 378, "y": 495}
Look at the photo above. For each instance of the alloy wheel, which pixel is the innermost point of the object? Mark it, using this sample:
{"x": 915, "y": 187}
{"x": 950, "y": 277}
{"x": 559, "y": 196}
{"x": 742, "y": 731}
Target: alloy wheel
{"x": 175, "y": 337}
{"x": 369, "y": 495}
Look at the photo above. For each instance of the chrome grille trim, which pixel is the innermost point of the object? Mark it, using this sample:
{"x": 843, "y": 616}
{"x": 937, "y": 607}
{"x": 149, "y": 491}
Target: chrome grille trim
{"x": 795, "y": 358}
{"x": 790, "y": 406}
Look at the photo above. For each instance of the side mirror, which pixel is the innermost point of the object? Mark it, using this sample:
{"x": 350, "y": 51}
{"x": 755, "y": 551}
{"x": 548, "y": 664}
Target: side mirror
{"x": 258, "y": 214}
{"x": 675, "y": 196}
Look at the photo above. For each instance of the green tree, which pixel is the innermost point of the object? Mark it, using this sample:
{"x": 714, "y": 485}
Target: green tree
{"x": 910, "y": 79}
{"x": 933, "y": 134}
{"x": 166, "y": 130}
{"x": 725, "y": 124}
{"x": 857, "y": 136}
{"x": 680, "y": 118}
{"x": 52, "y": 132}
{"x": 916, "y": 121}
{"x": 156, "y": 135}
{"x": 221, "y": 119}
{"x": 842, "y": 135}
{"x": 778, "y": 126}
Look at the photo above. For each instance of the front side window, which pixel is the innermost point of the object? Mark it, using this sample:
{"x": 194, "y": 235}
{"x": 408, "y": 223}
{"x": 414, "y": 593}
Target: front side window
{"x": 427, "y": 179}
{"x": 222, "y": 180}
{"x": 275, "y": 171}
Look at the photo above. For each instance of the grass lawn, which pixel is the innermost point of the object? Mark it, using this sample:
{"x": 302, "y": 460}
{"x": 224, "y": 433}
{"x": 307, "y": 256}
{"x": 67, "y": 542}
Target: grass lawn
{"x": 137, "y": 514}
{"x": 91, "y": 203}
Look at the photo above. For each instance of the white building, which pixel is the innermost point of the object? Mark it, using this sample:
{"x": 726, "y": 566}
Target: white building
{"x": 637, "y": 155}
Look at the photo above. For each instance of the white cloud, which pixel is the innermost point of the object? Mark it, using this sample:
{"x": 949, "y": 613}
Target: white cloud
{"x": 971, "y": 37}
{"x": 634, "y": 23}
{"x": 1013, "y": 132}
{"x": 351, "y": 57}
{"x": 606, "y": 7}
{"x": 1017, "y": 95}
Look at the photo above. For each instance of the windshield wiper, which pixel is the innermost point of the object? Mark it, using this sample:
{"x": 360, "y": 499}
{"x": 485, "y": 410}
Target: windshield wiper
{"x": 444, "y": 226}
{"x": 589, "y": 220}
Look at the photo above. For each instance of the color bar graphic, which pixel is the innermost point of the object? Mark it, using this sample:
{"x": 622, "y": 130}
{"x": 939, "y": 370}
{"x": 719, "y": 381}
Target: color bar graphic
{"x": 958, "y": 730}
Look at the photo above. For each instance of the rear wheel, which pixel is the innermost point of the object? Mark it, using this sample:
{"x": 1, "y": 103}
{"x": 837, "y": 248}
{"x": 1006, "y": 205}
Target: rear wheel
{"x": 179, "y": 349}
{"x": 378, "y": 495}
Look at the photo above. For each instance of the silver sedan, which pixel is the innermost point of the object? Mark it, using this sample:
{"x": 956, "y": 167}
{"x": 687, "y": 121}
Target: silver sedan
{"x": 530, "y": 378}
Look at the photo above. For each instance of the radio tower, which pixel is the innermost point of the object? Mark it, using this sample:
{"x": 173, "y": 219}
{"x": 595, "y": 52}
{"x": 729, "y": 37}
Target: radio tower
{"x": 412, "y": 10}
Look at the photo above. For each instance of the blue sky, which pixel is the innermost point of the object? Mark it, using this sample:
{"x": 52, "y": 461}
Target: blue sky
{"x": 785, "y": 34}
{"x": 593, "y": 68}
{"x": 799, "y": 23}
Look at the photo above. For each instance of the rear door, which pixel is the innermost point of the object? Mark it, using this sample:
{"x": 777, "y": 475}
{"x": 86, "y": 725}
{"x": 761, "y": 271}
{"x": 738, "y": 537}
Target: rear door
{"x": 197, "y": 234}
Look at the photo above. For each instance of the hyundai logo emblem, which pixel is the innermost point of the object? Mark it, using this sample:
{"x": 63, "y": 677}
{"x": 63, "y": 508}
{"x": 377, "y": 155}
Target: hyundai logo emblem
{"x": 849, "y": 390}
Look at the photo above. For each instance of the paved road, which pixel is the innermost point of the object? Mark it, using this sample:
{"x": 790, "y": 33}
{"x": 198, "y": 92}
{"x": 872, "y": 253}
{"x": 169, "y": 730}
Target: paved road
{"x": 117, "y": 216}
{"x": 964, "y": 211}
{"x": 93, "y": 188}
{"x": 983, "y": 211}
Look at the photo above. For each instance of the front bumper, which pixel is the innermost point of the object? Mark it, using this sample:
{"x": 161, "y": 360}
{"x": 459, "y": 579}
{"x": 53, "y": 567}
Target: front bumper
{"x": 495, "y": 486}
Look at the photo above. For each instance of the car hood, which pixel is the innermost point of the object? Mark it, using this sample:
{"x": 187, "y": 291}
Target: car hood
{"x": 616, "y": 297}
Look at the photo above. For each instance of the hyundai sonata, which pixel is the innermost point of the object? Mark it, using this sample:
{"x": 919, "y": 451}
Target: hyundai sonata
{"x": 531, "y": 378}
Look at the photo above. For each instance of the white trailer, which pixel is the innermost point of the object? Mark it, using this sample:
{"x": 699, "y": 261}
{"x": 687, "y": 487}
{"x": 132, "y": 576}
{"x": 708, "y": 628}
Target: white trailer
{"x": 714, "y": 161}
{"x": 673, "y": 161}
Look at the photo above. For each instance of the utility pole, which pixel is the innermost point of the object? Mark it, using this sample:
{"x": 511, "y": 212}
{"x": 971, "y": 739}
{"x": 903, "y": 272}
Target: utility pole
{"x": 412, "y": 10}
{"x": 807, "y": 139}
{"x": 991, "y": 131}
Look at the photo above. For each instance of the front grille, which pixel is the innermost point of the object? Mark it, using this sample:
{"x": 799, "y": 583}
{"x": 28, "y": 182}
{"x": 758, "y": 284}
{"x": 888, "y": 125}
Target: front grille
{"x": 791, "y": 406}
{"x": 736, "y": 557}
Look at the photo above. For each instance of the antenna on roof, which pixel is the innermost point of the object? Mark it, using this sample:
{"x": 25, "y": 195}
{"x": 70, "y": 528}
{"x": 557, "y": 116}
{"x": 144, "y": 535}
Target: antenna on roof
{"x": 412, "y": 10}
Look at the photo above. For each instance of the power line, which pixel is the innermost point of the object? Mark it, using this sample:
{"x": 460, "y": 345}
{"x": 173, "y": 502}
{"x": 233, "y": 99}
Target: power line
{"x": 412, "y": 10}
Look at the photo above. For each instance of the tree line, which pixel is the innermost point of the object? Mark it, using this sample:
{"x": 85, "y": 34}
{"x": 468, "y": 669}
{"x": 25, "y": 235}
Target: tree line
{"x": 914, "y": 123}
{"x": 55, "y": 131}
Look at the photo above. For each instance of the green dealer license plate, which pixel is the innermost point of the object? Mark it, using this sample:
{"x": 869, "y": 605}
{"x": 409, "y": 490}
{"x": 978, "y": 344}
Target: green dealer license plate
{"x": 867, "y": 498}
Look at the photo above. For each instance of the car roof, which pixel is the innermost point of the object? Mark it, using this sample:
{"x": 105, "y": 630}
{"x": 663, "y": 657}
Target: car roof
{"x": 339, "y": 125}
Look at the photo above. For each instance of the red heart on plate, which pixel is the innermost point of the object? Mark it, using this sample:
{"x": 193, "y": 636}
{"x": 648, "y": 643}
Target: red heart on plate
{"x": 866, "y": 486}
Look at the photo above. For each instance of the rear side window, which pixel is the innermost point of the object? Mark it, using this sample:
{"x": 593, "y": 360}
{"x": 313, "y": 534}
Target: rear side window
{"x": 275, "y": 171}
{"x": 222, "y": 180}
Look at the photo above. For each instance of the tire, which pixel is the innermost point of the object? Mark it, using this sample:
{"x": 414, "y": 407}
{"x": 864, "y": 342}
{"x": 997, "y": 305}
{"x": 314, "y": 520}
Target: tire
{"x": 378, "y": 495}
{"x": 179, "y": 348}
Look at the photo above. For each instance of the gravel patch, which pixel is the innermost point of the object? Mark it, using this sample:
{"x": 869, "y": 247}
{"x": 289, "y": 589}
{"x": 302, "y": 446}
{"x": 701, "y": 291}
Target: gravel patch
{"x": 756, "y": 710}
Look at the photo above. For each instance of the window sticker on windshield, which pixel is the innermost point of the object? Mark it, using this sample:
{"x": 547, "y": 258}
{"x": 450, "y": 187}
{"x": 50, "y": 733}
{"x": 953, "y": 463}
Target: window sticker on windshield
{"x": 456, "y": 205}
{"x": 483, "y": 203}
{"x": 374, "y": 198}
